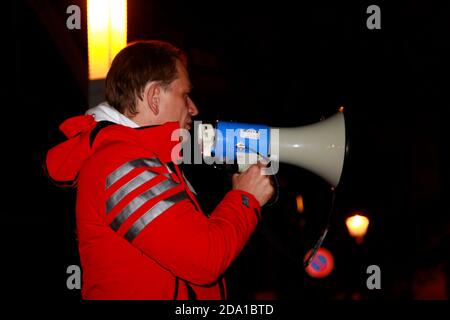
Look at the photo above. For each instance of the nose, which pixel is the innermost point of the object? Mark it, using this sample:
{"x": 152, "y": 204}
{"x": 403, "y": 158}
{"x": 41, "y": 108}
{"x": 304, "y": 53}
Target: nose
{"x": 193, "y": 111}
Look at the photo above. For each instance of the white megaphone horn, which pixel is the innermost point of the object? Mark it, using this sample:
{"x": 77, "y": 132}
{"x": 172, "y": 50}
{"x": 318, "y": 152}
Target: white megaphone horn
{"x": 320, "y": 147}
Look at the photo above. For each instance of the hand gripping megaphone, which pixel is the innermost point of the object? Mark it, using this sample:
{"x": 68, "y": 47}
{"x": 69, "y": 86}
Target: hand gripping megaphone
{"x": 320, "y": 147}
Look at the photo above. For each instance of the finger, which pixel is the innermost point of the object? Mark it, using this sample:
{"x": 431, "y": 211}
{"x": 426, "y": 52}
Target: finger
{"x": 254, "y": 168}
{"x": 262, "y": 163}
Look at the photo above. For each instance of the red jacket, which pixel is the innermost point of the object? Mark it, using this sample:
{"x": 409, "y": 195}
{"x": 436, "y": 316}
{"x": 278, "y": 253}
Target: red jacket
{"x": 141, "y": 232}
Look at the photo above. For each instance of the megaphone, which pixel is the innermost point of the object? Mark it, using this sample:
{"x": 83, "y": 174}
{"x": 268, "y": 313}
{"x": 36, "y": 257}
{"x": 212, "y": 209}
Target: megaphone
{"x": 319, "y": 147}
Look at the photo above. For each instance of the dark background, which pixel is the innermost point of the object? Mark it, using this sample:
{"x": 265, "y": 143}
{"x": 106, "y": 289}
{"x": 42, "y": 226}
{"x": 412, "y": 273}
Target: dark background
{"x": 278, "y": 63}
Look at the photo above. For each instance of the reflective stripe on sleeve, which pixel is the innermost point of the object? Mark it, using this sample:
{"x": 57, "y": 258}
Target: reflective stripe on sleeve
{"x": 127, "y": 167}
{"x": 154, "y": 212}
{"x": 140, "y": 200}
{"x": 129, "y": 187}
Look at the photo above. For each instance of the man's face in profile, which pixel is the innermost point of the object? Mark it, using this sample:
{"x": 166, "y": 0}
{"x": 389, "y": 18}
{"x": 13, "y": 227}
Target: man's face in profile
{"x": 175, "y": 103}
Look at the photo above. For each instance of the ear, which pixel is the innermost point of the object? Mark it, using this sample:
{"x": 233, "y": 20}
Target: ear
{"x": 152, "y": 95}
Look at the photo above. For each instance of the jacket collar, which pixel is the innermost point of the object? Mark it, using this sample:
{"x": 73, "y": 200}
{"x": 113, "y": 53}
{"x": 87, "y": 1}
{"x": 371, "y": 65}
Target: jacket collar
{"x": 162, "y": 139}
{"x": 105, "y": 112}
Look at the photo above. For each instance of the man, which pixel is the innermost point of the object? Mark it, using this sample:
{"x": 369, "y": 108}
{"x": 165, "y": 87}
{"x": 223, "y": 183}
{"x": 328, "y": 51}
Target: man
{"x": 141, "y": 232}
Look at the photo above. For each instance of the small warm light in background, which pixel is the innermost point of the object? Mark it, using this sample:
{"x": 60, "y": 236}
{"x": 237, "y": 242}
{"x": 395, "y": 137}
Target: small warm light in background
{"x": 341, "y": 109}
{"x": 107, "y": 34}
{"x": 300, "y": 206}
{"x": 357, "y": 226}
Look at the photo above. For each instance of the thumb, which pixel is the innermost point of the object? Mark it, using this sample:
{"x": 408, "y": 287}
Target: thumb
{"x": 262, "y": 163}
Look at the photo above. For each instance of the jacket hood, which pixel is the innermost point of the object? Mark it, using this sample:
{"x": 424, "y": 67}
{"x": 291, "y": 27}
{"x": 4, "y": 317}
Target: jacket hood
{"x": 64, "y": 161}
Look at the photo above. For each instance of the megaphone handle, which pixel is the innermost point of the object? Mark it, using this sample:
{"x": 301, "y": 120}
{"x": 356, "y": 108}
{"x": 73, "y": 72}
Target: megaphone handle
{"x": 231, "y": 169}
{"x": 274, "y": 180}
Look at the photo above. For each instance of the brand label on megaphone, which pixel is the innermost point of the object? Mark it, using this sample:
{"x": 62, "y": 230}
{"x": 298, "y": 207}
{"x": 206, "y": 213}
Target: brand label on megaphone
{"x": 249, "y": 134}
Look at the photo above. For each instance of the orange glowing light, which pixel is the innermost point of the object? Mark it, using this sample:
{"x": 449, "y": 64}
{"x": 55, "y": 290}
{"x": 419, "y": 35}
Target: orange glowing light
{"x": 107, "y": 34}
{"x": 300, "y": 205}
{"x": 357, "y": 226}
